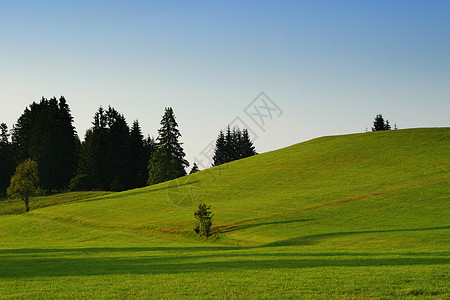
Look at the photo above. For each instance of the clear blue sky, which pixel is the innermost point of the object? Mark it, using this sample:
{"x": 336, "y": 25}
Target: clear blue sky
{"x": 330, "y": 66}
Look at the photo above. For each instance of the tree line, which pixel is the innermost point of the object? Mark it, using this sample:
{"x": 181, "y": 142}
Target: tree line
{"x": 112, "y": 156}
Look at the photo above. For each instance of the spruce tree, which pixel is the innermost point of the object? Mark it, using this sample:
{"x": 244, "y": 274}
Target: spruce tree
{"x": 105, "y": 153}
{"x": 194, "y": 169}
{"x": 118, "y": 150}
{"x": 44, "y": 133}
{"x": 7, "y": 163}
{"x": 233, "y": 145}
{"x": 160, "y": 167}
{"x": 219, "y": 156}
{"x": 4, "y": 135}
{"x": 379, "y": 124}
{"x": 246, "y": 147}
{"x": 229, "y": 146}
{"x": 137, "y": 167}
{"x": 169, "y": 163}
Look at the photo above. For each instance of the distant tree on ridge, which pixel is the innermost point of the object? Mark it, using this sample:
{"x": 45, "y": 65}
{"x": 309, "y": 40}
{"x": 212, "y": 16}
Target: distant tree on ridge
{"x": 232, "y": 145}
{"x": 379, "y": 124}
{"x": 194, "y": 169}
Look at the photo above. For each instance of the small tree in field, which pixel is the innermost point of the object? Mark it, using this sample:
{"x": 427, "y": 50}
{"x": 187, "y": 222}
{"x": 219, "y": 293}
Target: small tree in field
{"x": 204, "y": 216}
{"x": 24, "y": 182}
{"x": 194, "y": 169}
{"x": 379, "y": 124}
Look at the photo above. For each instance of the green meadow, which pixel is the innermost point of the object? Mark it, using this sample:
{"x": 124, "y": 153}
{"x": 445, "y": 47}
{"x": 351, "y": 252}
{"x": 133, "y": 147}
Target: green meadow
{"x": 341, "y": 217}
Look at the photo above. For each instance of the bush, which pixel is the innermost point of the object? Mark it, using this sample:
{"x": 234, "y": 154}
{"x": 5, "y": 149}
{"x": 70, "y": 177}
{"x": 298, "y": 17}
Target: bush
{"x": 204, "y": 216}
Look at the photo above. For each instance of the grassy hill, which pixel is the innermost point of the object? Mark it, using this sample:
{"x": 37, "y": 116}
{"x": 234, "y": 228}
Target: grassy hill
{"x": 354, "y": 216}
{"x": 15, "y": 207}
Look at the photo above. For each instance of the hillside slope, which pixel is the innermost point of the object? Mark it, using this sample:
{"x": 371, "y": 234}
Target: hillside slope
{"x": 343, "y": 217}
{"x": 374, "y": 181}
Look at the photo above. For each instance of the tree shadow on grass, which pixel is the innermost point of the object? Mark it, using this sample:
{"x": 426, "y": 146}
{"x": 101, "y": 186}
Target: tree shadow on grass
{"x": 242, "y": 225}
{"x": 86, "y": 265}
{"x": 29, "y": 263}
{"x": 142, "y": 191}
{"x": 315, "y": 238}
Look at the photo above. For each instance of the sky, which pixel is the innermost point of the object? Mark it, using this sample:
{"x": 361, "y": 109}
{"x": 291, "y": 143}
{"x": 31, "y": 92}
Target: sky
{"x": 289, "y": 71}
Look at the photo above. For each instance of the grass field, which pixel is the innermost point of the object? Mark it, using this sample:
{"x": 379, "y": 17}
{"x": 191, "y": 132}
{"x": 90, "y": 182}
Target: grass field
{"x": 354, "y": 217}
{"x": 15, "y": 207}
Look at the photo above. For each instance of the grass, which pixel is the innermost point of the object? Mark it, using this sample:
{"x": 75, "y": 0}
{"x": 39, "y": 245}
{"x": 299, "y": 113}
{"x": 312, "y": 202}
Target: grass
{"x": 16, "y": 206}
{"x": 356, "y": 216}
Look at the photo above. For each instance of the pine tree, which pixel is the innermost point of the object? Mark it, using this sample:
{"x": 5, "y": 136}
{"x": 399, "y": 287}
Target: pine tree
{"x": 45, "y": 133}
{"x": 219, "y": 156}
{"x": 137, "y": 167}
{"x": 149, "y": 148}
{"x": 7, "y": 163}
{"x": 160, "y": 167}
{"x": 4, "y": 135}
{"x": 105, "y": 153}
{"x": 118, "y": 150}
{"x": 194, "y": 169}
{"x": 233, "y": 145}
{"x": 246, "y": 147}
{"x": 68, "y": 143}
{"x": 204, "y": 220}
{"x": 169, "y": 163}
{"x": 229, "y": 147}
{"x": 379, "y": 124}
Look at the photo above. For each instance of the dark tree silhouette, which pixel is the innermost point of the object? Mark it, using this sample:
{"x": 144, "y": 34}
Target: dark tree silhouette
{"x": 379, "y": 124}
{"x": 105, "y": 153}
{"x": 45, "y": 134}
{"x": 220, "y": 156}
{"x": 113, "y": 156}
{"x": 169, "y": 162}
{"x": 140, "y": 153}
{"x": 233, "y": 145}
{"x": 7, "y": 162}
{"x": 194, "y": 169}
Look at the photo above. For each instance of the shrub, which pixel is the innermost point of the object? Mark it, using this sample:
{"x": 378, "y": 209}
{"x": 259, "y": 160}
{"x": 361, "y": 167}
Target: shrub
{"x": 204, "y": 216}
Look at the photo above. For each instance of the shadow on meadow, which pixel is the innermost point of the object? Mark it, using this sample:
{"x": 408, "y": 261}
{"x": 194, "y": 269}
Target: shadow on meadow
{"x": 143, "y": 191}
{"x": 315, "y": 238}
{"x": 246, "y": 225}
{"x": 27, "y": 263}
{"x": 20, "y": 267}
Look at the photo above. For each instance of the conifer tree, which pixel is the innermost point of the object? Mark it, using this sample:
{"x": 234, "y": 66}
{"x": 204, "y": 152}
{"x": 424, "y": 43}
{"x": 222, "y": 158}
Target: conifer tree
{"x": 160, "y": 167}
{"x": 229, "y": 147}
{"x": 105, "y": 153}
{"x": 379, "y": 124}
{"x": 246, "y": 147}
{"x": 4, "y": 135}
{"x": 194, "y": 169}
{"x": 45, "y": 134}
{"x": 233, "y": 145}
{"x": 169, "y": 163}
{"x": 7, "y": 163}
{"x": 137, "y": 167}
{"x": 219, "y": 156}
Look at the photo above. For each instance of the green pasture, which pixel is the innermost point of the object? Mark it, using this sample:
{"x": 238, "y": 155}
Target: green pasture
{"x": 346, "y": 217}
